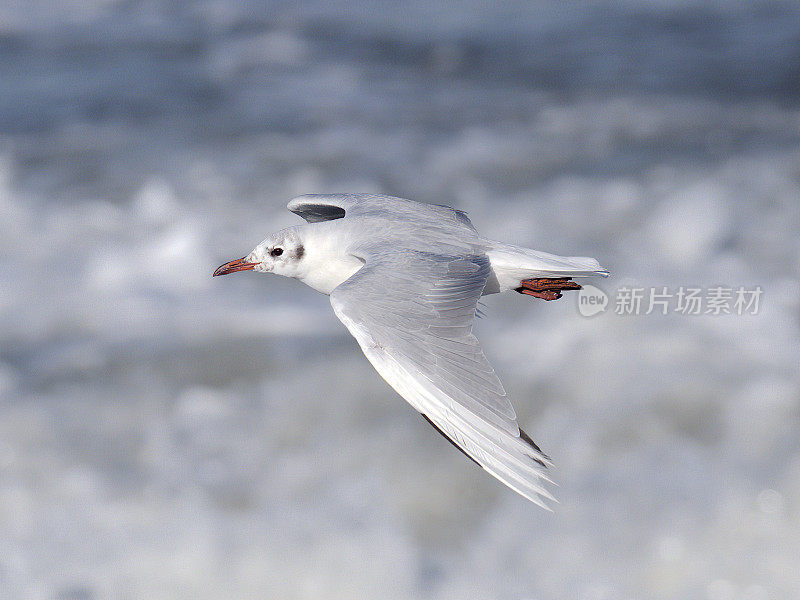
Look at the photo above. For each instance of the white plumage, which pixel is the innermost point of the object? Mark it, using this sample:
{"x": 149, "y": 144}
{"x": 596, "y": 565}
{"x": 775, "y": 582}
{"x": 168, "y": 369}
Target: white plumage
{"x": 405, "y": 278}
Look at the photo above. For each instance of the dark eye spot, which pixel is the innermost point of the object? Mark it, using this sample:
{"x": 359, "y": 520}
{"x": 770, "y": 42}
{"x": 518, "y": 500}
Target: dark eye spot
{"x": 276, "y": 251}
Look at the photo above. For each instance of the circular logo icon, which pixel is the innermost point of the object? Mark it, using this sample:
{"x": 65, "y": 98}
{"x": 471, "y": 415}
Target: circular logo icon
{"x": 591, "y": 301}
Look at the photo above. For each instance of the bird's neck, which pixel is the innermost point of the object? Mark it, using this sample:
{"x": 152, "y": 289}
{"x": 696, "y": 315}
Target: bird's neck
{"x": 326, "y": 262}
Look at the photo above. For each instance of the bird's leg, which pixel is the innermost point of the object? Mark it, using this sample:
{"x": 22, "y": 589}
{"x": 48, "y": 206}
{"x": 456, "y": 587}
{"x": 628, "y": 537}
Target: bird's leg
{"x": 546, "y": 288}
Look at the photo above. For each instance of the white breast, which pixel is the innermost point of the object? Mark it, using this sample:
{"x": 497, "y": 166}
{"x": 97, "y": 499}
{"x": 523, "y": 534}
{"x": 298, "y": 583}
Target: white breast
{"x": 326, "y": 262}
{"x": 326, "y": 276}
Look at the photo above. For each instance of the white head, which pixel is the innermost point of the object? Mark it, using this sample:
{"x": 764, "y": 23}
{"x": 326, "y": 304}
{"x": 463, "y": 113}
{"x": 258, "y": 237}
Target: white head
{"x": 315, "y": 253}
{"x": 281, "y": 253}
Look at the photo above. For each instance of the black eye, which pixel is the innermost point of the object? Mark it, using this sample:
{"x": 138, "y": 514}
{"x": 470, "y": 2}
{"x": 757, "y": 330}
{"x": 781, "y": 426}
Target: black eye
{"x": 276, "y": 251}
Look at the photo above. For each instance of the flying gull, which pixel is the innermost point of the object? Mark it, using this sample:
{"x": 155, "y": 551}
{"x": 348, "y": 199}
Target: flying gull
{"x": 405, "y": 278}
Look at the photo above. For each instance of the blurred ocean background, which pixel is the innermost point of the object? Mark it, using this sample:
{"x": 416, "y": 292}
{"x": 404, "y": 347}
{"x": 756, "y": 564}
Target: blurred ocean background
{"x": 166, "y": 435}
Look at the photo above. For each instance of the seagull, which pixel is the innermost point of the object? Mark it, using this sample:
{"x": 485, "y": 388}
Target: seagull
{"x": 405, "y": 279}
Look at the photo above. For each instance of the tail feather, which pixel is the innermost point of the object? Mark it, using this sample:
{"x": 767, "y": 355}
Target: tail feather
{"x": 512, "y": 264}
{"x": 574, "y": 266}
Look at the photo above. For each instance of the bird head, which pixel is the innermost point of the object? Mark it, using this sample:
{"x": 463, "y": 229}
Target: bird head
{"x": 281, "y": 253}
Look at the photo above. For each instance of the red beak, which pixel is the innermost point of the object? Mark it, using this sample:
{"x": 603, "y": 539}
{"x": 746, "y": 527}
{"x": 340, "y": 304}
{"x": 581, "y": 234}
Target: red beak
{"x": 233, "y": 266}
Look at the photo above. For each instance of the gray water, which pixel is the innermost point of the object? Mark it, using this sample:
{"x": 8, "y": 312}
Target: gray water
{"x": 166, "y": 435}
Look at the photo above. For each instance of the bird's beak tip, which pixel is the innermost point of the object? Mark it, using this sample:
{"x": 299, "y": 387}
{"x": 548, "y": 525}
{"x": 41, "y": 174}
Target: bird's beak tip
{"x": 235, "y": 265}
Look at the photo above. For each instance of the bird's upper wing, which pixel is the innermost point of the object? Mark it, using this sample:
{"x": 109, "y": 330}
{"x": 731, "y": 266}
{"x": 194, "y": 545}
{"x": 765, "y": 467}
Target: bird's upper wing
{"x": 412, "y": 313}
{"x": 326, "y": 207}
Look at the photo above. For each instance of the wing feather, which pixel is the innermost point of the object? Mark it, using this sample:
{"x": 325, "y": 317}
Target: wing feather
{"x": 412, "y": 314}
{"x": 326, "y": 207}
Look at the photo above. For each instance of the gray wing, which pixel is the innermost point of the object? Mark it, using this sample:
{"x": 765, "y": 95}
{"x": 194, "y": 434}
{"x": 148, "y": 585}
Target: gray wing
{"x": 326, "y": 207}
{"x": 412, "y": 313}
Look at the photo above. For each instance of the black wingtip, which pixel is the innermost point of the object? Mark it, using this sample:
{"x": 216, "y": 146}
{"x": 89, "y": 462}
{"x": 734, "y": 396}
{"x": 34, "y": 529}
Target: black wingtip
{"x": 526, "y": 438}
{"x": 447, "y": 437}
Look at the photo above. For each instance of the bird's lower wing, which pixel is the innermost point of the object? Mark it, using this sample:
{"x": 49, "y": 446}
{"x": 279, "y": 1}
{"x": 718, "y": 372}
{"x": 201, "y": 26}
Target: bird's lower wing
{"x": 412, "y": 315}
